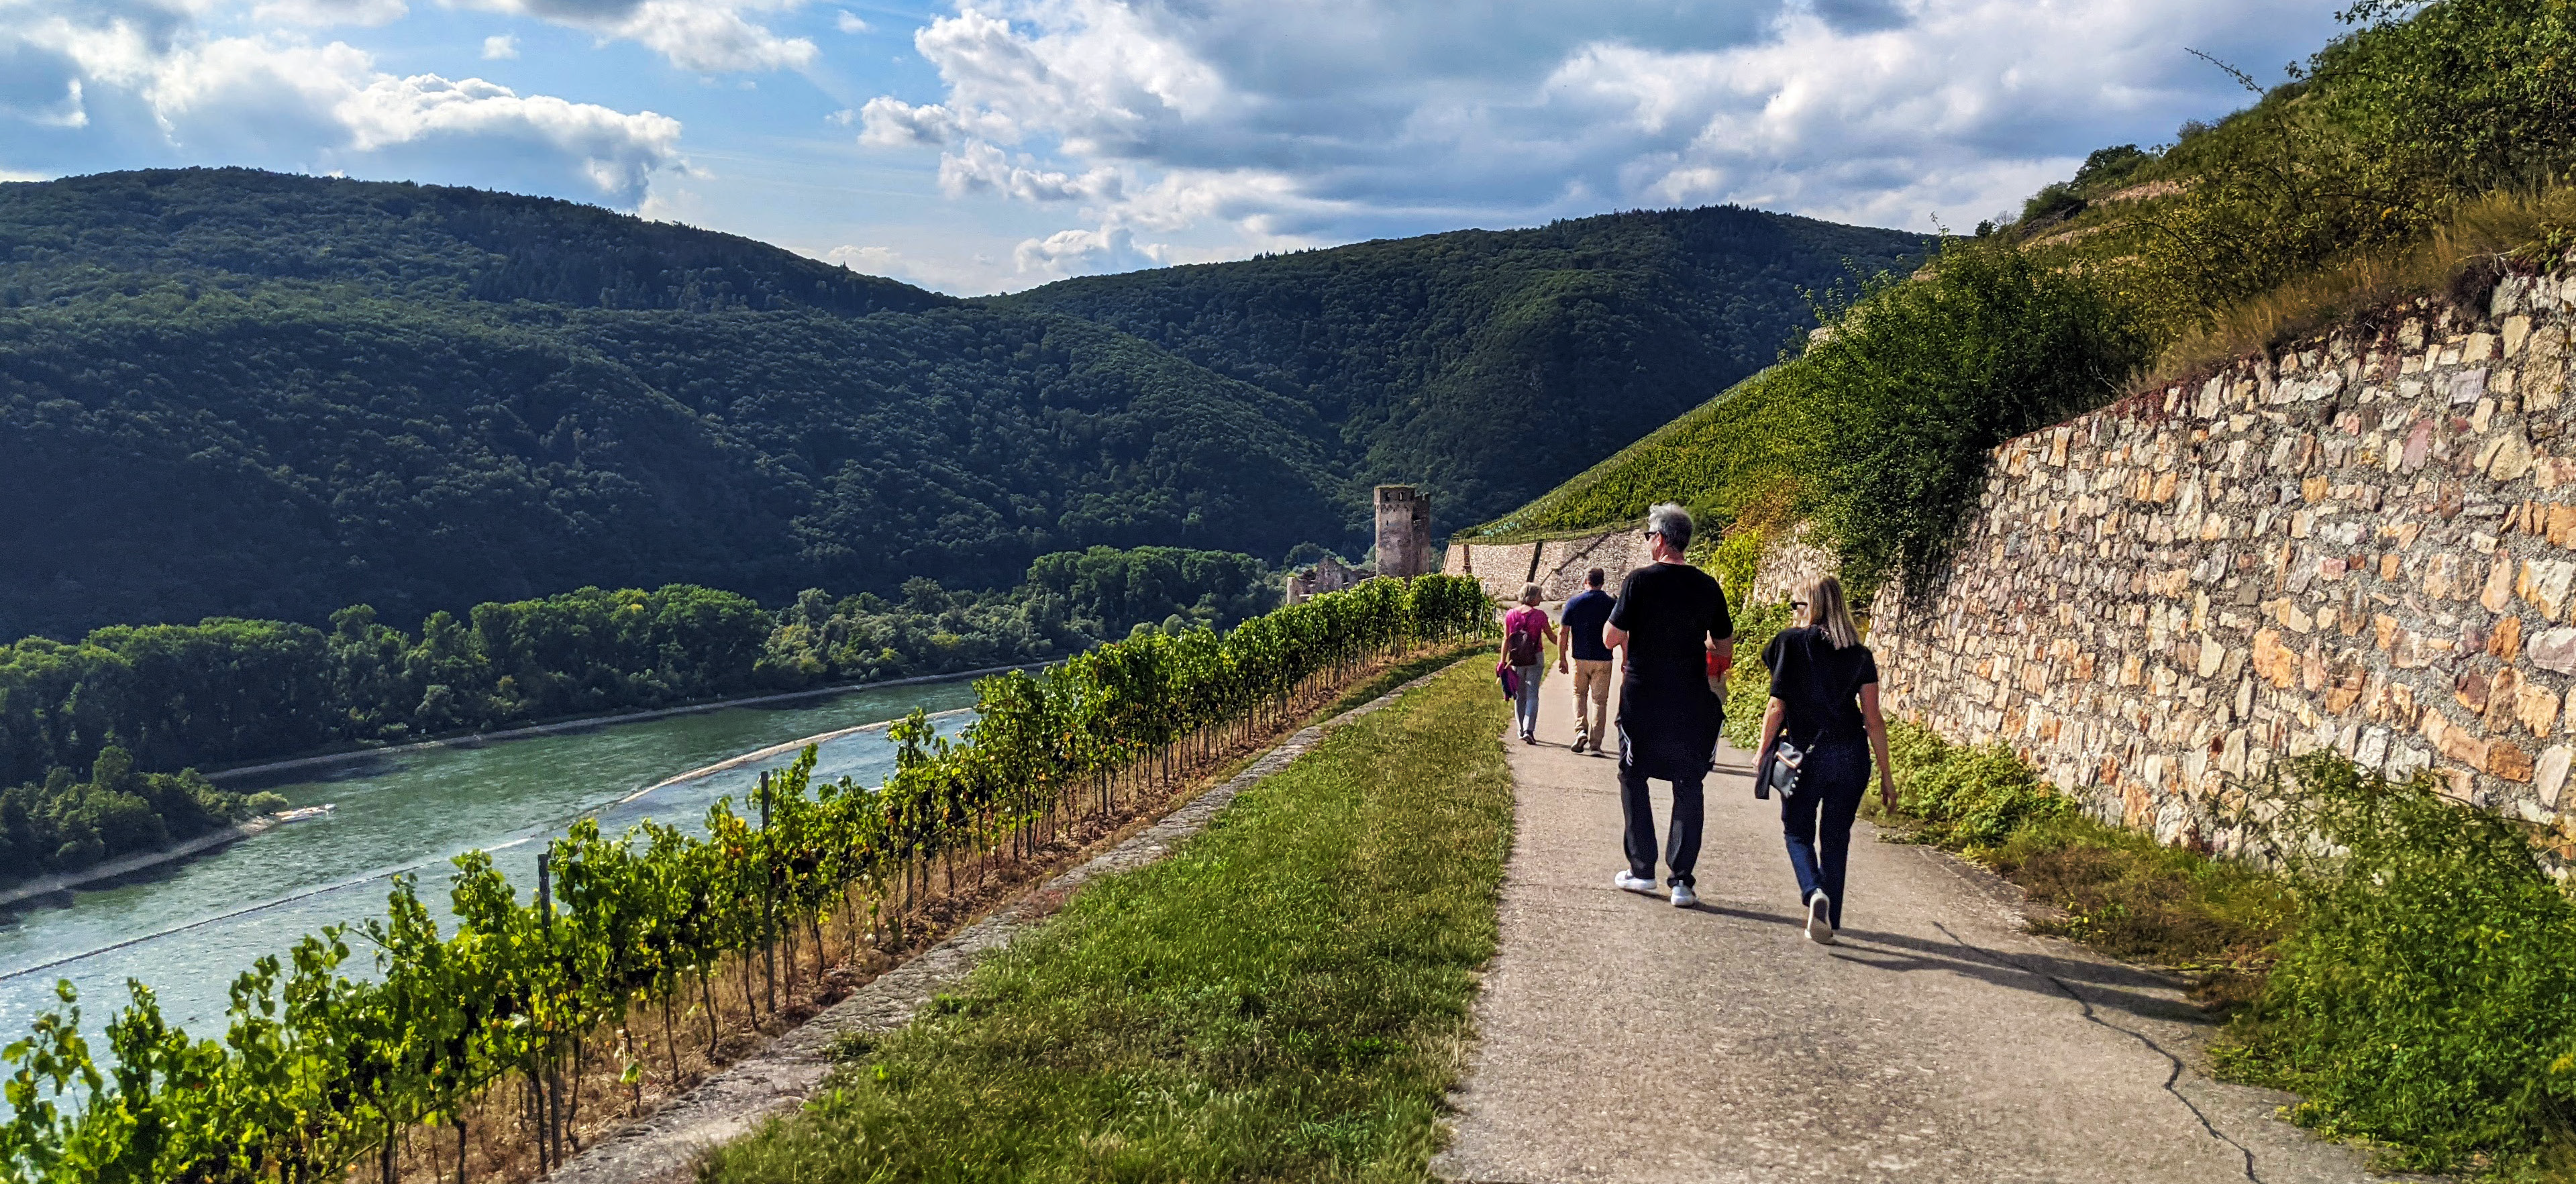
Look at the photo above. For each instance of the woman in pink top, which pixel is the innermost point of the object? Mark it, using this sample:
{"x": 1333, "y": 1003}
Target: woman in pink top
{"x": 1526, "y": 632}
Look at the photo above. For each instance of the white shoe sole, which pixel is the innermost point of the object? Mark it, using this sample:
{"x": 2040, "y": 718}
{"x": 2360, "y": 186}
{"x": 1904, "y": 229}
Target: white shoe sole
{"x": 1643, "y": 888}
{"x": 1819, "y": 929}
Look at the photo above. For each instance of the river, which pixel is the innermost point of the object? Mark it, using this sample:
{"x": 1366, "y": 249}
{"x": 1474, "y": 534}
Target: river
{"x": 187, "y": 928}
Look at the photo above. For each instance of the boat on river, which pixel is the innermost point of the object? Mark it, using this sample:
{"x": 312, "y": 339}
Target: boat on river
{"x": 304, "y": 813}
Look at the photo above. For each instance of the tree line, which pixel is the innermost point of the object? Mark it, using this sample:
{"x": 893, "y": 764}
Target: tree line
{"x": 322, "y": 1064}
{"x": 134, "y": 706}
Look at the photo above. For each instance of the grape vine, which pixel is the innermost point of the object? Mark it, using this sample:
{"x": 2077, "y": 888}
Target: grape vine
{"x": 326, "y": 1063}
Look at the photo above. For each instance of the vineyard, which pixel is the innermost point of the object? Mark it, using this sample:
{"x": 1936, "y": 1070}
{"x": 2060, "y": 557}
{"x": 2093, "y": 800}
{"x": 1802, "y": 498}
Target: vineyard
{"x": 339, "y": 1065}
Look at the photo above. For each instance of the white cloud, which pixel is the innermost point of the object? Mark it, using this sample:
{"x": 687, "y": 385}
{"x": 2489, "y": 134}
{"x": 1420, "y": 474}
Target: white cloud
{"x": 9, "y": 176}
{"x": 981, "y": 166}
{"x": 848, "y": 22}
{"x": 500, "y": 47}
{"x": 282, "y": 102}
{"x": 331, "y": 12}
{"x": 1263, "y": 124}
{"x": 712, "y": 36}
{"x": 872, "y": 260}
{"x": 890, "y": 122}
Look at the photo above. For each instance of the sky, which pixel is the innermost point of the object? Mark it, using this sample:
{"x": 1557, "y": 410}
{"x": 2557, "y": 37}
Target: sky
{"x": 977, "y": 146}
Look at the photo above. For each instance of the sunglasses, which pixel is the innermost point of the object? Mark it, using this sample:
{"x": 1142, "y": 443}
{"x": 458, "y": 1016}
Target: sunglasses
{"x": 1797, "y": 604}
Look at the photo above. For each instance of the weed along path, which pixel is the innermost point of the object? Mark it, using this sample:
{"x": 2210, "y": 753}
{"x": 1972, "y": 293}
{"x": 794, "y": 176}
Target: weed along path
{"x": 1622, "y": 1039}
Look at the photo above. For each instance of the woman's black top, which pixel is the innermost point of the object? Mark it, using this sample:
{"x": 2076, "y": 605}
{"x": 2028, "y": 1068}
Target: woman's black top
{"x": 1819, "y": 685}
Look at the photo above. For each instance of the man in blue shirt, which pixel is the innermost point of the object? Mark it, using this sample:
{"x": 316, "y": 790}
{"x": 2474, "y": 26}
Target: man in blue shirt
{"x": 1583, "y": 617}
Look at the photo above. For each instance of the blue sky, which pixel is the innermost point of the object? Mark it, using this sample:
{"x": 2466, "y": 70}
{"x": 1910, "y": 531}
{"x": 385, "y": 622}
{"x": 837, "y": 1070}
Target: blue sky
{"x": 990, "y": 145}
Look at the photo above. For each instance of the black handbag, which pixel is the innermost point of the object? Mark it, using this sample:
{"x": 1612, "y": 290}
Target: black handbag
{"x": 1779, "y": 771}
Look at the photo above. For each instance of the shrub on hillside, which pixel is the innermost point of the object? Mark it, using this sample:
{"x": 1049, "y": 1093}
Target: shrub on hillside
{"x": 2428, "y": 1002}
{"x": 1892, "y": 414}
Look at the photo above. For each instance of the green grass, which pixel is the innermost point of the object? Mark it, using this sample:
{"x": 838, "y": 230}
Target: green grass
{"x": 1400, "y": 675}
{"x": 1285, "y": 998}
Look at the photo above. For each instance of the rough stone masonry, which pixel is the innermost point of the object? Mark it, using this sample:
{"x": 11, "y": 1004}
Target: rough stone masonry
{"x": 2366, "y": 544}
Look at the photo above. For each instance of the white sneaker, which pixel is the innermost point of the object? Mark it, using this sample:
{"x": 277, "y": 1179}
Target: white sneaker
{"x": 1820, "y": 925}
{"x": 1683, "y": 897}
{"x": 1626, "y": 882}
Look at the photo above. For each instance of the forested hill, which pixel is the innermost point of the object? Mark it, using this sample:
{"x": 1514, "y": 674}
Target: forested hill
{"x": 1490, "y": 365}
{"x": 231, "y": 226}
{"x": 227, "y": 392}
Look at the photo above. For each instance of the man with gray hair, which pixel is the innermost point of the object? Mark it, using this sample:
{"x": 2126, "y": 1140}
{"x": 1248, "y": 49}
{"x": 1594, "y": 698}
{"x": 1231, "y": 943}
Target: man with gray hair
{"x": 1669, "y": 616}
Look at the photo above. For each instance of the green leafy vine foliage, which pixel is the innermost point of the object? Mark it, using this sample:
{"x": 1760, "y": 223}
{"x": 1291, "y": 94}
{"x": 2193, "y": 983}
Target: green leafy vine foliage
{"x": 328, "y": 1055}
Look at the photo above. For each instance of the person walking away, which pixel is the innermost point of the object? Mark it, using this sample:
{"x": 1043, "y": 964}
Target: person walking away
{"x": 1669, "y": 615}
{"x": 1526, "y": 632}
{"x": 1583, "y": 618}
{"x": 1824, "y": 701}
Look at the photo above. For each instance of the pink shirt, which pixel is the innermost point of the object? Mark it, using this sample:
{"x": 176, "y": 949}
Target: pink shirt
{"x": 1527, "y": 618}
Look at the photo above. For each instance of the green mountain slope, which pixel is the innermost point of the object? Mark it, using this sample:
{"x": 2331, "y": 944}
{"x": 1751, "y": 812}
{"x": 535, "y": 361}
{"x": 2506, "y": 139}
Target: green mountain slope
{"x": 1490, "y": 365}
{"x": 225, "y": 392}
{"x": 234, "y": 227}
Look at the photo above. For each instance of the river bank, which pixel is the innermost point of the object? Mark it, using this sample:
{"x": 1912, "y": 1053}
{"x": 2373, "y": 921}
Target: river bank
{"x": 65, "y": 881}
{"x": 557, "y": 727}
{"x": 191, "y": 922}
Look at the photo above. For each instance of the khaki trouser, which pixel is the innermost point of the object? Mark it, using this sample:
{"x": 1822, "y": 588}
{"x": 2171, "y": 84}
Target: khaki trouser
{"x": 1592, "y": 682}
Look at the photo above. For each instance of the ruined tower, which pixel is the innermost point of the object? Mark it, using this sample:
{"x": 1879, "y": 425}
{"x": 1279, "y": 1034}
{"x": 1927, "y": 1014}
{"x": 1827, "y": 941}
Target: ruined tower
{"x": 1403, "y": 531}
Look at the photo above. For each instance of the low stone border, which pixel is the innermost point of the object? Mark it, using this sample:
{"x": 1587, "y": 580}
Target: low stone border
{"x": 65, "y": 881}
{"x": 667, "y": 1144}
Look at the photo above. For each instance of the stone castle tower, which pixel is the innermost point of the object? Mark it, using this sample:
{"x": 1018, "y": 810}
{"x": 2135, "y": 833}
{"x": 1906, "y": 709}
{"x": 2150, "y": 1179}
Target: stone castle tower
{"x": 1403, "y": 531}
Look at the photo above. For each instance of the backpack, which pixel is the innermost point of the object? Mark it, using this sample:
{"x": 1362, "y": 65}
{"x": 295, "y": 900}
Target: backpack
{"x": 1523, "y": 647}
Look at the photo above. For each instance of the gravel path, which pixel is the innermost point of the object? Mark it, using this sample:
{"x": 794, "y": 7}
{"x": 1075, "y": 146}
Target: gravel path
{"x": 1623, "y": 1039}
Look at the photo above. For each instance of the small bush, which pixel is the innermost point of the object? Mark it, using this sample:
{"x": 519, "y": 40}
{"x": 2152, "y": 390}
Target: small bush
{"x": 1748, "y": 686}
{"x": 2428, "y": 1001}
{"x": 1976, "y": 796}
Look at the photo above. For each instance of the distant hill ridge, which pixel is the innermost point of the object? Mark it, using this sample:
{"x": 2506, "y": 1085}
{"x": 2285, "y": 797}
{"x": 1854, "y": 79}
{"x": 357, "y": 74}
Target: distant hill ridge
{"x": 231, "y": 392}
{"x": 405, "y": 239}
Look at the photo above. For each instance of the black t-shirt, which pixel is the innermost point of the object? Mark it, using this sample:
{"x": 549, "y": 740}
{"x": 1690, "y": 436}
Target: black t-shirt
{"x": 1670, "y": 610}
{"x": 1818, "y": 685}
{"x": 1668, "y": 719}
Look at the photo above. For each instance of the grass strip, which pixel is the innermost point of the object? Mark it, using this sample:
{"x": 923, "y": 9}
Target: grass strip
{"x": 1284, "y": 998}
{"x": 1400, "y": 674}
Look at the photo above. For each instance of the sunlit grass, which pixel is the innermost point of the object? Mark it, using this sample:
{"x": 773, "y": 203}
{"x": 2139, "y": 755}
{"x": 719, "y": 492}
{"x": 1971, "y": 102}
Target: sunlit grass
{"x": 1286, "y": 998}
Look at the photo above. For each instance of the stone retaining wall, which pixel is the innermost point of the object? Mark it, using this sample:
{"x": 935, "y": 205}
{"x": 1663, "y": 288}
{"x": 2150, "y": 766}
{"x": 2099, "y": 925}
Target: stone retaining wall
{"x": 2366, "y": 544}
{"x": 1557, "y": 566}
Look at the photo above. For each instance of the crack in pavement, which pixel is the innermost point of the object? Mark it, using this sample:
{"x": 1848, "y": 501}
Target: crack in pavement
{"x": 2174, "y": 1064}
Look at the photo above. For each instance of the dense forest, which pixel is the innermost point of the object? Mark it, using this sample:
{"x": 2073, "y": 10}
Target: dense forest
{"x": 242, "y": 394}
{"x": 129, "y": 704}
{"x": 1487, "y": 365}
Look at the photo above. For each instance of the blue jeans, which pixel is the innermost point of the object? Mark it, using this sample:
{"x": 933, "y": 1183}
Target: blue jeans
{"x": 1818, "y": 818}
{"x": 1527, "y": 702}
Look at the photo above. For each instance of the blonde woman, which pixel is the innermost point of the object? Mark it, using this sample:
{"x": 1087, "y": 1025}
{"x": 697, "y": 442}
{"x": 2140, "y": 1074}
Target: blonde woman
{"x": 1824, "y": 703}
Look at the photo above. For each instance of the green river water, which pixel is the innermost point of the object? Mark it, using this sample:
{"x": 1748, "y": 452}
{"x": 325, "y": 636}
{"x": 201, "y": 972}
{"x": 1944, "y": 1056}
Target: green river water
{"x": 187, "y": 928}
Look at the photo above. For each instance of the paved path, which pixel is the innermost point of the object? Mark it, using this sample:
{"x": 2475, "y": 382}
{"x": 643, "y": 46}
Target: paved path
{"x": 1625, "y": 1040}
